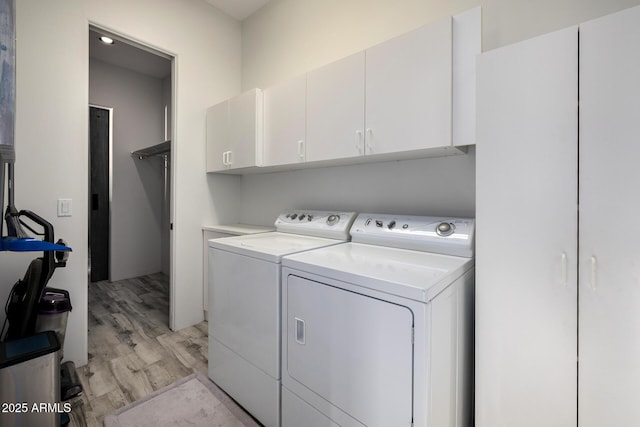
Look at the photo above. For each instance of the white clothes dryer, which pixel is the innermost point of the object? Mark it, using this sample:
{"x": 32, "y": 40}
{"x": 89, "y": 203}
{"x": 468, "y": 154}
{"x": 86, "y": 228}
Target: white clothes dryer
{"x": 379, "y": 332}
{"x": 244, "y": 305}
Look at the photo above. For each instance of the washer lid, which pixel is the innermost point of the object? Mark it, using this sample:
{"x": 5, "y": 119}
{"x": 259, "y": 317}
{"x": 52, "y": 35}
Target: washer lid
{"x": 410, "y": 274}
{"x": 270, "y": 246}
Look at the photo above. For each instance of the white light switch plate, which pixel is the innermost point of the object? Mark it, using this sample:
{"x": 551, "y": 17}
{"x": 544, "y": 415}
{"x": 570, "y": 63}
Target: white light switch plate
{"x": 65, "y": 207}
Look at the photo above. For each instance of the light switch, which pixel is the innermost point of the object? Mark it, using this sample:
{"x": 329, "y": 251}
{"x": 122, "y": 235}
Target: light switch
{"x": 64, "y": 207}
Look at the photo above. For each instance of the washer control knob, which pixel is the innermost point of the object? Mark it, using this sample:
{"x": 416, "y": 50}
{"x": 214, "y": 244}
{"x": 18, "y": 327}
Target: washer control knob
{"x": 333, "y": 219}
{"x": 309, "y": 218}
{"x": 379, "y": 223}
{"x": 391, "y": 225}
{"x": 405, "y": 226}
{"x": 294, "y": 216}
{"x": 301, "y": 217}
{"x": 444, "y": 229}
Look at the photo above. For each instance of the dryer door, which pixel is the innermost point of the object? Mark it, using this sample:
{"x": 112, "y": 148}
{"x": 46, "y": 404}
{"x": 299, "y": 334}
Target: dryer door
{"x": 354, "y": 351}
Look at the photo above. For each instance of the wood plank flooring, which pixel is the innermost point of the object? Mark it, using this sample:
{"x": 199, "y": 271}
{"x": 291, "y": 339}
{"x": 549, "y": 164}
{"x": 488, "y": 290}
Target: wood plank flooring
{"x": 132, "y": 351}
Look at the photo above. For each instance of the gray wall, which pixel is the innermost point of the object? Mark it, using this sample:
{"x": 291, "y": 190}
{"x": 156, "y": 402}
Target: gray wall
{"x": 136, "y": 207}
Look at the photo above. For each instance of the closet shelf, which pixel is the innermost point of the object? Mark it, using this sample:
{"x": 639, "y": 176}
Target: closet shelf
{"x": 155, "y": 150}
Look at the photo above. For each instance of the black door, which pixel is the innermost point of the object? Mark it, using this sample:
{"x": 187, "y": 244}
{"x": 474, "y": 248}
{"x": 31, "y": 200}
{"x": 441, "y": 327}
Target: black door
{"x": 99, "y": 193}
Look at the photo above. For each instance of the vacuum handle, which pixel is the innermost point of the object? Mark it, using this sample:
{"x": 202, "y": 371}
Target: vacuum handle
{"x": 59, "y": 291}
{"x": 48, "y": 228}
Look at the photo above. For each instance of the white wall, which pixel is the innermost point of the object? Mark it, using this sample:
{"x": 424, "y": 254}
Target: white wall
{"x": 290, "y": 37}
{"x": 52, "y": 129}
{"x": 136, "y": 206}
{"x": 439, "y": 186}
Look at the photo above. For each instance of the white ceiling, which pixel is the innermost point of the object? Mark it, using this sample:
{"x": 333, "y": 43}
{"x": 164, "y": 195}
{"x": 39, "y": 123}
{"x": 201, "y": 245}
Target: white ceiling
{"x": 238, "y": 9}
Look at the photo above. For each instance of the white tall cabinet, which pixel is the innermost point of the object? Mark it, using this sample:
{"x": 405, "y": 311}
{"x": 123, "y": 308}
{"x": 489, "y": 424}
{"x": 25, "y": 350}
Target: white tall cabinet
{"x": 558, "y": 263}
{"x": 526, "y": 211}
{"x": 609, "y": 324}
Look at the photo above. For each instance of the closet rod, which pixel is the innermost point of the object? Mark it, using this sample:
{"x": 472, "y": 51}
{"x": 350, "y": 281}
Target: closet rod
{"x": 154, "y": 150}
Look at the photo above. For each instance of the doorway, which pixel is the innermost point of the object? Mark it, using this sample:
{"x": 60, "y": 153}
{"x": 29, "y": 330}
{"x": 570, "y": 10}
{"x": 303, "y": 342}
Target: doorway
{"x": 130, "y": 191}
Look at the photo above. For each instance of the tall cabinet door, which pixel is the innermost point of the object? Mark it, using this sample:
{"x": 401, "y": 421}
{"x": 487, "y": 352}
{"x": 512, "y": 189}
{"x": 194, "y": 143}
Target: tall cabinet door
{"x": 526, "y": 249}
{"x": 609, "y": 321}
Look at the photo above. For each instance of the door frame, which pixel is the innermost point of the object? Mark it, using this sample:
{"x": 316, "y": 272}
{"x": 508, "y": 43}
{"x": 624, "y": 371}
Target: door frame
{"x": 173, "y": 57}
{"x": 110, "y": 192}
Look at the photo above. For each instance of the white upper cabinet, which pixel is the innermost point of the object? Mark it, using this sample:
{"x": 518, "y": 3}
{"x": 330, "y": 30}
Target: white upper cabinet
{"x": 408, "y": 91}
{"x": 609, "y": 353}
{"x": 218, "y": 143}
{"x": 412, "y": 96}
{"x": 526, "y": 249}
{"x": 335, "y": 110}
{"x": 234, "y": 133}
{"x": 284, "y": 123}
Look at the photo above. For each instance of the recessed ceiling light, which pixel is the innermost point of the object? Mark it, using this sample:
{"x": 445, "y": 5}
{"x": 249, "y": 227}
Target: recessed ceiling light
{"x": 106, "y": 40}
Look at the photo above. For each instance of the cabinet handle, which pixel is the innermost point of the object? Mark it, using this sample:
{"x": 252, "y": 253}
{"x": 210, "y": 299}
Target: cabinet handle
{"x": 359, "y": 141}
{"x": 563, "y": 260}
{"x": 229, "y": 158}
{"x": 594, "y": 272}
{"x": 300, "y": 330}
{"x": 369, "y": 140}
{"x": 301, "y": 149}
{"x": 224, "y": 158}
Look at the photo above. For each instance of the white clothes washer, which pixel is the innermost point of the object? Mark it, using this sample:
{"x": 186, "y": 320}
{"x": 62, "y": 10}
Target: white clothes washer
{"x": 379, "y": 332}
{"x": 244, "y": 305}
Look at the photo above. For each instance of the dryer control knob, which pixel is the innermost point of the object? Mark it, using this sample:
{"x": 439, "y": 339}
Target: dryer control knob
{"x": 333, "y": 219}
{"x": 444, "y": 229}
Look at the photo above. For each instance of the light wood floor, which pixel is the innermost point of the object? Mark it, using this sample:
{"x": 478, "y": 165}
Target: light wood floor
{"x": 132, "y": 351}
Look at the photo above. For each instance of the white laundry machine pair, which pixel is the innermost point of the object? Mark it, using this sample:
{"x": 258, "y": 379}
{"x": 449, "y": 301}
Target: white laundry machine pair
{"x": 378, "y": 332}
{"x": 244, "y": 305}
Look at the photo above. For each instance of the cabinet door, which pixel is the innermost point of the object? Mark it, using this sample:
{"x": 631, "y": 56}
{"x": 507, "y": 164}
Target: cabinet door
{"x": 206, "y": 236}
{"x": 408, "y": 91}
{"x": 609, "y": 321}
{"x": 335, "y": 110}
{"x": 526, "y": 210}
{"x": 245, "y": 130}
{"x": 284, "y": 122}
{"x": 217, "y": 136}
